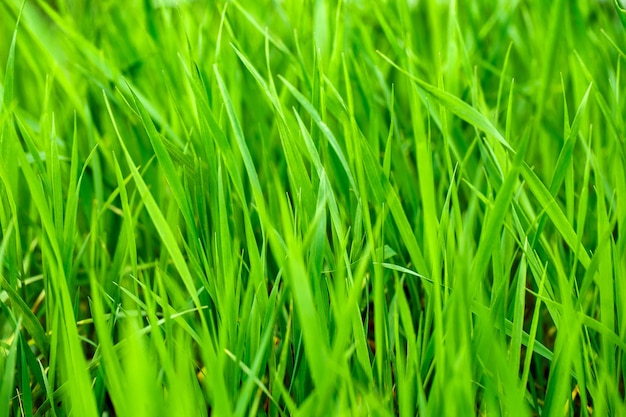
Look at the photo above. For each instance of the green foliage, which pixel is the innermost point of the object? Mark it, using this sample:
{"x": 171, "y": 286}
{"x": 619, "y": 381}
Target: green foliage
{"x": 312, "y": 208}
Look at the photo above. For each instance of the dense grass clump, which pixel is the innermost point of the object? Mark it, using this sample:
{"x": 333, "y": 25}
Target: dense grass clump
{"x": 312, "y": 208}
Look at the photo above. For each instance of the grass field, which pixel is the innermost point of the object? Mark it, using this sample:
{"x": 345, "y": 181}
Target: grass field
{"x": 312, "y": 208}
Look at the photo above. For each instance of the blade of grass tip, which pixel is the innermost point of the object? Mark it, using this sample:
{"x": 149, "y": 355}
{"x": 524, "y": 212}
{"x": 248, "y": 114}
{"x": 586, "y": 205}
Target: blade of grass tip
{"x": 581, "y": 220}
{"x": 385, "y": 193}
{"x": 128, "y": 217}
{"x": 209, "y": 126}
{"x": 9, "y": 75}
{"x": 241, "y": 141}
{"x": 310, "y": 146}
{"x": 250, "y": 168}
{"x": 160, "y": 223}
{"x": 220, "y": 31}
{"x": 32, "y": 153}
{"x": 615, "y": 123}
{"x": 621, "y": 11}
{"x": 276, "y": 41}
{"x": 554, "y": 212}
{"x": 338, "y": 31}
{"x": 324, "y": 128}
{"x": 387, "y": 157}
{"x": 54, "y": 175}
{"x": 565, "y": 156}
{"x": 393, "y": 40}
{"x": 325, "y": 186}
{"x": 612, "y": 42}
{"x": 169, "y": 170}
{"x": 509, "y": 112}
{"x": 39, "y": 199}
{"x": 456, "y": 106}
{"x": 268, "y": 89}
{"x": 404, "y": 270}
{"x": 73, "y": 191}
{"x": 566, "y": 124}
{"x": 490, "y": 231}
{"x": 501, "y": 82}
{"x": 293, "y": 157}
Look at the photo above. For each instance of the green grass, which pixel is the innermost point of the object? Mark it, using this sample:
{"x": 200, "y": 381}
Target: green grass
{"x": 312, "y": 208}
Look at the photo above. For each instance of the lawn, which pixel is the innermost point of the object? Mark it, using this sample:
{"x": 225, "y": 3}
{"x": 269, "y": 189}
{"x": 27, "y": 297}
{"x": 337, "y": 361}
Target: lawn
{"x": 312, "y": 208}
